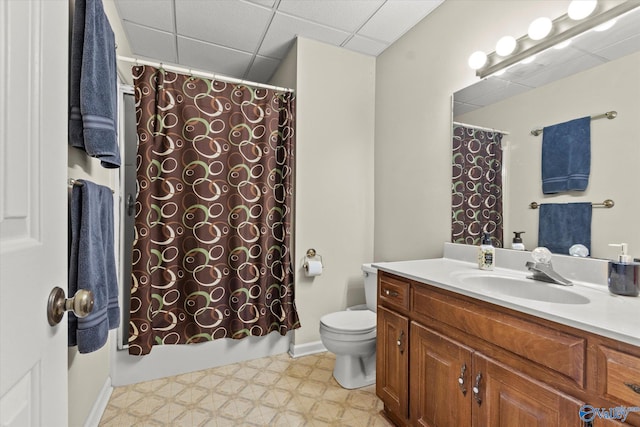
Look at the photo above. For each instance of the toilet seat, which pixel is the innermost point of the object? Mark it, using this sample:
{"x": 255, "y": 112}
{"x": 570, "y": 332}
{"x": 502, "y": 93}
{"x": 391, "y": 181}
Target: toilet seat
{"x": 355, "y": 322}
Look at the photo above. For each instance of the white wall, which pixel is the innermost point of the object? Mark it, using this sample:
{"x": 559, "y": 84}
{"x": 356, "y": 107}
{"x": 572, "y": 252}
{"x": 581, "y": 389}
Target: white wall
{"x": 415, "y": 78}
{"x": 615, "y": 150}
{"x": 335, "y": 91}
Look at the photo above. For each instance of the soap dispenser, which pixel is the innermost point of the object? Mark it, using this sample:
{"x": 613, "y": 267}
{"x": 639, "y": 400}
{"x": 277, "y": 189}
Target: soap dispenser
{"x": 486, "y": 254}
{"x": 517, "y": 241}
{"x": 624, "y": 274}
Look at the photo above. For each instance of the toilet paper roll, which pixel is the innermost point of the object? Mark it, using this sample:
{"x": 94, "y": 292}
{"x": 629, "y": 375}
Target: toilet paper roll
{"x": 312, "y": 268}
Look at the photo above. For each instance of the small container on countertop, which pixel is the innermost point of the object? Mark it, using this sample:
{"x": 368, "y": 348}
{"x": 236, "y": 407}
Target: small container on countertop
{"x": 624, "y": 274}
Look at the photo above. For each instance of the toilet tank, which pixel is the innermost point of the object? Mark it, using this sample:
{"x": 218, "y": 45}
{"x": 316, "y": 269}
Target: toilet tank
{"x": 370, "y": 286}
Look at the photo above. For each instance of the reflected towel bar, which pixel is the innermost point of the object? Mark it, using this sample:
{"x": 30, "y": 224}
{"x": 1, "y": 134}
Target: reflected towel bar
{"x": 73, "y": 182}
{"x": 609, "y": 115}
{"x": 606, "y": 204}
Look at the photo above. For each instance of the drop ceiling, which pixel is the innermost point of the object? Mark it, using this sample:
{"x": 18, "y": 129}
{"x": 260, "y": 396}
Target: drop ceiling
{"x": 248, "y": 38}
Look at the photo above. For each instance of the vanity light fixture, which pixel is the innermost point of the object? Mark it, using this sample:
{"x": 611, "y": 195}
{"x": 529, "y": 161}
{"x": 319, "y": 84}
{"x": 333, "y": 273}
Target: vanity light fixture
{"x": 540, "y": 28}
{"x": 477, "y": 60}
{"x": 580, "y": 9}
{"x": 506, "y": 45}
{"x": 586, "y": 15}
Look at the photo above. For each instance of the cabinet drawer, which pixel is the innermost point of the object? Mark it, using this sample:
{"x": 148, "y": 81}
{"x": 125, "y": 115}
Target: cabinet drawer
{"x": 393, "y": 292}
{"x": 619, "y": 376}
{"x": 555, "y": 350}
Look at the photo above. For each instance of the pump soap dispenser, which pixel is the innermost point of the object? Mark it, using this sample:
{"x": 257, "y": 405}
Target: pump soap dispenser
{"x": 624, "y": 275}
{"x": 517, "y": 241}
{"x": 486, "y": 253}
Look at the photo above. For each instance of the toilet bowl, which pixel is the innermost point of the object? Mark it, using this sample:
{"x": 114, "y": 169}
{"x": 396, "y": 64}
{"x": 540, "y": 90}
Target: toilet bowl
{"x": 351, "y": 336}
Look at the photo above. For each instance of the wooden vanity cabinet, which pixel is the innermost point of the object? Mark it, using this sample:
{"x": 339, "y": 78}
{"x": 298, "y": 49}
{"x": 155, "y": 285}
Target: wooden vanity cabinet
{"x": 463, "y": 362}
{"x": 392, "y": 351}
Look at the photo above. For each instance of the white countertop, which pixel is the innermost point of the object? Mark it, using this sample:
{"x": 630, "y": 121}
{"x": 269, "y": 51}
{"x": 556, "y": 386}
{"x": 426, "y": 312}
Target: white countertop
{"x": 605, "y": 314}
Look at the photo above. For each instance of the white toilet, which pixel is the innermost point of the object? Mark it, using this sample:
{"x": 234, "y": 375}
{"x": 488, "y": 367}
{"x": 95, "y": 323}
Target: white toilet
{"x": 351, "y": 336}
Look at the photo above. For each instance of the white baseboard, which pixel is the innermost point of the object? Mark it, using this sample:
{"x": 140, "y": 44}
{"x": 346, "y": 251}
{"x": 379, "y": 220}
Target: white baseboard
{"x": 93, "y": 420}
{"x": 306, "y": 349}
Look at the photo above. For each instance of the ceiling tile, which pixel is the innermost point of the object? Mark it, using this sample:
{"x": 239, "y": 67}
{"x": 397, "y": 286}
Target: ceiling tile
{"x": 366, "y": 45}
{"x": 231, "y": 23}
{"x": 343, "y": 15}
{"x": 396, "y": 17}
{"x": 284, "y": 29}
{"x": 216, "y": 59}
{"x": 557, "y": 71}
{"x": 156, "y": 14}
{"x": 150, "y": 43}
{"x": 618, "y": 50}
{"x": 262, "y": 69}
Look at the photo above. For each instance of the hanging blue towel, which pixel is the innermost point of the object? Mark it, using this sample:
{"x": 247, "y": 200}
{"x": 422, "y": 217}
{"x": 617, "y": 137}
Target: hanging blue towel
{"x": 92, "y": 264}
{"x": 93, "y": 83}
{"x": 566, "y": 156}
{"x": 562, "y": 225}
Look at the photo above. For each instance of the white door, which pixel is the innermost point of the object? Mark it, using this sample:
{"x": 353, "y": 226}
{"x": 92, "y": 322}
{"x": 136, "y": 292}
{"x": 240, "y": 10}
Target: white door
{"x": 33, "y": 206}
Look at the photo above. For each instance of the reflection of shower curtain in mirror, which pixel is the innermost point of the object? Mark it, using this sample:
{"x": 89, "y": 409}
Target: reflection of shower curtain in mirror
{"x": 476, "y": 202}
{"x": 212, "y": 251}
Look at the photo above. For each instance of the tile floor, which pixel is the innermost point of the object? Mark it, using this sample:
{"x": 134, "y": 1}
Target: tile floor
{"x": 272, "y": 391}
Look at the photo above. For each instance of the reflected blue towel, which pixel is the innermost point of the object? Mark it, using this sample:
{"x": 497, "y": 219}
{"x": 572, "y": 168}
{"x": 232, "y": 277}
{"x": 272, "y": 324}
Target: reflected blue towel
{"x": 92, "y": 264}
{"x": 562, "y": 225}
{"x": 93, "y": 84}
{"x": 566, "y": 156}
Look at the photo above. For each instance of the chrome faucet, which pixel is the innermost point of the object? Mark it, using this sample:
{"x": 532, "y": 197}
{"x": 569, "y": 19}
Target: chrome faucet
{"x": 542, "y": 269}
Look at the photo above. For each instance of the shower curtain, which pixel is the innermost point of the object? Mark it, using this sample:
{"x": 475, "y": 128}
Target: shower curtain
{"x": 212, "y": 250}
{"x": 476, "y": 201}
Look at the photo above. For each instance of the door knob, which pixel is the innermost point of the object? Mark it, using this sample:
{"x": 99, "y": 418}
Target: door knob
{"x": 81, "y": 304}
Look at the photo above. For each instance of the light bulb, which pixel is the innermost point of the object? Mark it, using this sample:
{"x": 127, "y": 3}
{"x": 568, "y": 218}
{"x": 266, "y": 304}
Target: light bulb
{"x": 505, "y": 45}
{"x": 562, "y": 45}
{"x": 580, "y": 9}
{"x": 477, "y": 60}
{"x": 540, "y": 28}
{"x": 606, "y": 25}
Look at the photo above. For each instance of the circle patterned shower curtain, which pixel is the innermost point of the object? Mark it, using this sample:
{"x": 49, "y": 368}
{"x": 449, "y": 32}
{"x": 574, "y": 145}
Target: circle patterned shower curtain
{"x": 212, "y": 252}
{"x": 476, "y": 199}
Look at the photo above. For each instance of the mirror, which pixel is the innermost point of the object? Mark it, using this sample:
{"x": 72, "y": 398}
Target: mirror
{"x": 596, "y": 73}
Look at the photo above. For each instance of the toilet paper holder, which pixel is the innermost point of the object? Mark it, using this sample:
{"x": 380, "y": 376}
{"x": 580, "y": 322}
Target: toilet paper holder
{"x": 312, "y": 255}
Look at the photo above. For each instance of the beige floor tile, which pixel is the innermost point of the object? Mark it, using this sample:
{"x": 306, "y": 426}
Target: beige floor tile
{"x": 272, "y": 391}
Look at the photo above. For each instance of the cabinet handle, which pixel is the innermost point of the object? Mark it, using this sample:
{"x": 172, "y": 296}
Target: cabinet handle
{"x": 399, "y": 342}
{"x": 634, "y": 387}
{"x": 463, "y": 370}
{"x": 476, "y": 389}
{"x": 388, "y": 293}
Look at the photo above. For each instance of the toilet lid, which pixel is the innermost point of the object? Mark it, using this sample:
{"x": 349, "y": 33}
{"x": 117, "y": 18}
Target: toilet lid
{"x": 350, "y": 321}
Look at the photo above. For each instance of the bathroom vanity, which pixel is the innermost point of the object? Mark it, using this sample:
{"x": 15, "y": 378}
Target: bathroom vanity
{"x": 454, "y": 351}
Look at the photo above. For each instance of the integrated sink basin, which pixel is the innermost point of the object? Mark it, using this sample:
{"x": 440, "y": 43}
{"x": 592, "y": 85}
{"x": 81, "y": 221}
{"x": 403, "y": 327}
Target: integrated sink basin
{"x": 495, "y": 284}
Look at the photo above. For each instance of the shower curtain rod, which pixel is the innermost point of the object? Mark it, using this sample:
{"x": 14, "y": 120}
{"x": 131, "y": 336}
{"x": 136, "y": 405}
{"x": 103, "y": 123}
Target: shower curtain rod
{"x": 199, "y": 73}
{"x": 504, "y": 132}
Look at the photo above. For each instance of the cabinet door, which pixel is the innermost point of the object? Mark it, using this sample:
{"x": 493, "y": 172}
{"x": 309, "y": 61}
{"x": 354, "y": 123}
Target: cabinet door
{"x": 392, "y": 362}
{"x": 440, "y": 383}
{"x": 507, "y": 397}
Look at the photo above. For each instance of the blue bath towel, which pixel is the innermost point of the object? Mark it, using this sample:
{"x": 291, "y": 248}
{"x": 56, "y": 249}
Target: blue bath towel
{"x": 562, "y": 225}
{"x": 92, "y": 264}
{"x": 93, "y": 84}
{"x": 566, "y": 156}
